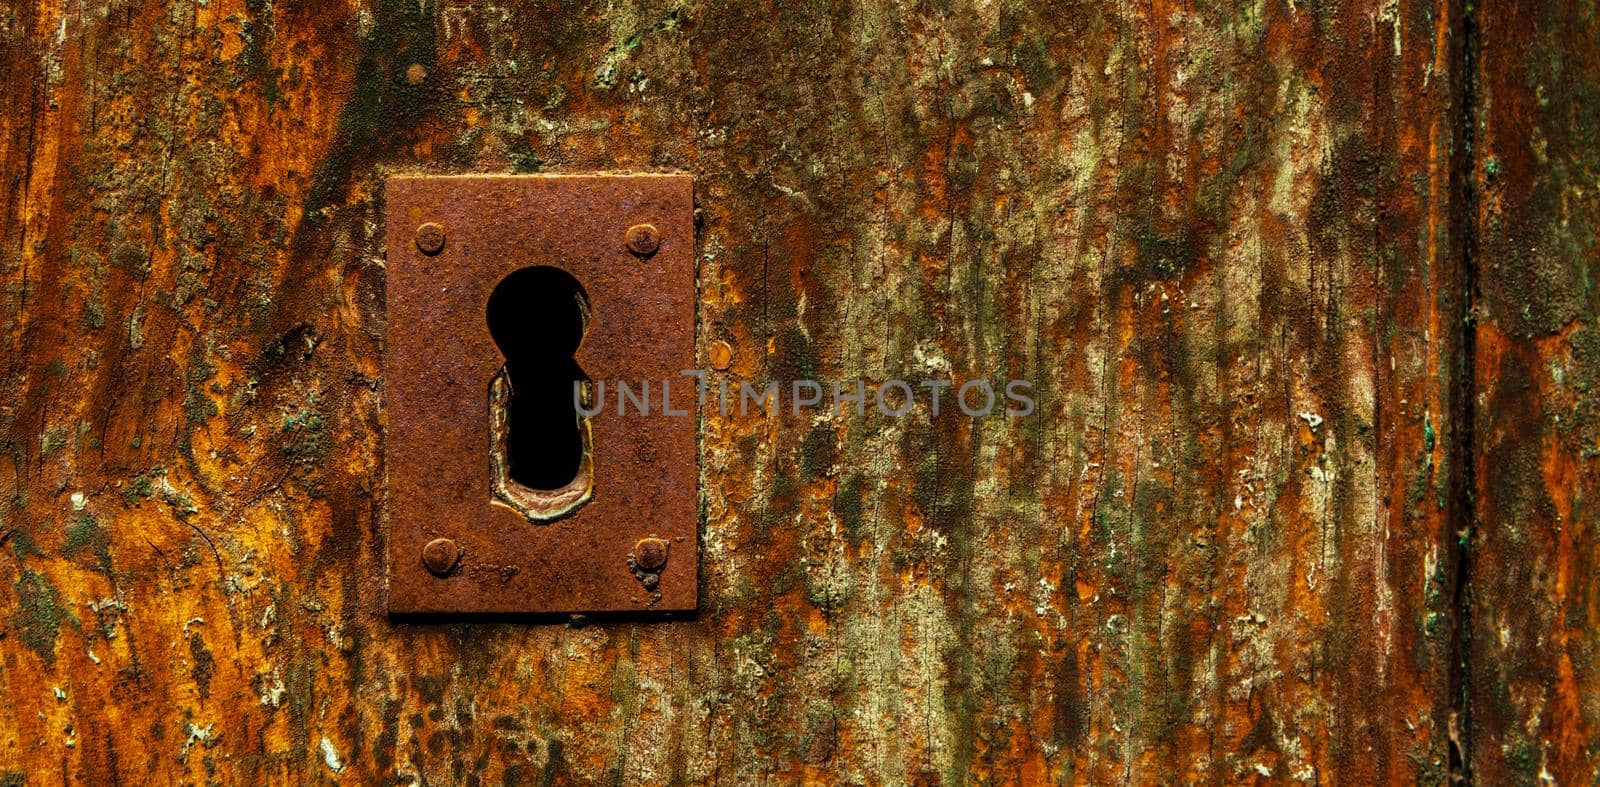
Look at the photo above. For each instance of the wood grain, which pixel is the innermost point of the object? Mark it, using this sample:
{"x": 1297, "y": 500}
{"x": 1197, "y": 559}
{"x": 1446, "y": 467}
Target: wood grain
{"x": 1535, "y": 688}
{"x": 1225, "y": 243}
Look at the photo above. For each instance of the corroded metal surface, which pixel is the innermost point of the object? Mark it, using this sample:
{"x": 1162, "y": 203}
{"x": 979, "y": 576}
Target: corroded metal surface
{"x": 1227, "y": 241}
{"x": 439, "y": 361}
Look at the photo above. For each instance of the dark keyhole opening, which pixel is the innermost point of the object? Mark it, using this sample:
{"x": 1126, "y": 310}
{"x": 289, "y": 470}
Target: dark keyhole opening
{"x": 536, "y": 317}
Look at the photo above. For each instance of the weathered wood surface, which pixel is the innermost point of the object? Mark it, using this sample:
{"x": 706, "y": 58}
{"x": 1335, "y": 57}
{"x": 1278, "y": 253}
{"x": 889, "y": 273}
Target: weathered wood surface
{"x": 1534, "y": 649}
{"x": 1226, "y": 243}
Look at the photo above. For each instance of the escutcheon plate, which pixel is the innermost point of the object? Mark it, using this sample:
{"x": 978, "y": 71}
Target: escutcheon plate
{"x": 439, "y": 362}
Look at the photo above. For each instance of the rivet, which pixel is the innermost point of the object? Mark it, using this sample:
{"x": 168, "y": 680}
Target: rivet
{"x": 650, "y": 554}
{"x": 441, "y": 556}
{"x": 643, "y": 239}
{"x": 430, "y": 238}
{"x": 721, "y": 355}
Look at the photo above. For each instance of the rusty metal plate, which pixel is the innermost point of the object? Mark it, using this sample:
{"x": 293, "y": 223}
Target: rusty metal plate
{"x": 459, "y": 542}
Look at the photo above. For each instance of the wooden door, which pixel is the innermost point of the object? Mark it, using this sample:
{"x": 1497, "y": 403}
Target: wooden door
{"x": 1306, "y": 292}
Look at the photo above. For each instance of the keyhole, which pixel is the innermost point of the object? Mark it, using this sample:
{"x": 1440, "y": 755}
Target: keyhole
{"x": 539, "y": 440}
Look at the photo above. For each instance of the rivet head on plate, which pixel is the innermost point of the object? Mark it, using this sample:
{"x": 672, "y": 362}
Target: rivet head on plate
{"x": 650, "y": 554}
{"x": 441, "y": 556}
{"x": 430, "y": 238}
{"x": 643, "y": 239}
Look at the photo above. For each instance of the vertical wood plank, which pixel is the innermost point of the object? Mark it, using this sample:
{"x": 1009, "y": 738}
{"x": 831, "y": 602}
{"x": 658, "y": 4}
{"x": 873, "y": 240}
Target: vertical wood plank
{"x": 1535, "y": 709}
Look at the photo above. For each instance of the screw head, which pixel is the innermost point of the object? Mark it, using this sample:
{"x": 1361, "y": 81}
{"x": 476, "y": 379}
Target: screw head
{"x": 441, "y": 556}
{"x": 650, "y": 553}
{"x": 430, "y": 238}
{"x": 643, "y": 239}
